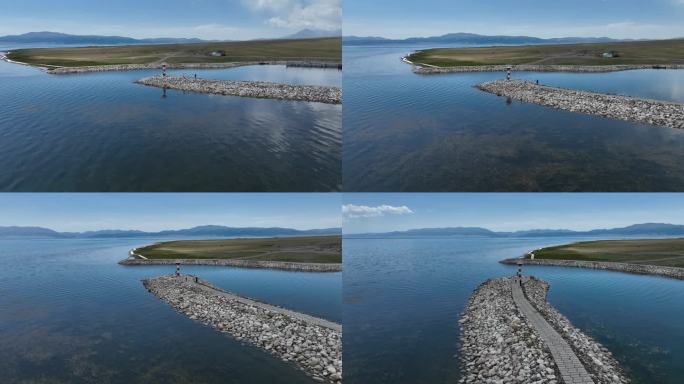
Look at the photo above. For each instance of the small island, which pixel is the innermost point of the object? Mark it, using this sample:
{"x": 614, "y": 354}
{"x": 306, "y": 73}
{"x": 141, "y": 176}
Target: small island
{"x": 662, "y": 257}
{"x": 589, "y": 57}
{"x": 307, "y": 254}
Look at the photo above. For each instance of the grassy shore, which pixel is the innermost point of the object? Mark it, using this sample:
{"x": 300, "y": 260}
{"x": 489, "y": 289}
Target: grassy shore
{"x": 321, "y": 49}
{"x": 632, "y": 52}
{"x": 312, "y": 249}
{"x": 661, "y": 252}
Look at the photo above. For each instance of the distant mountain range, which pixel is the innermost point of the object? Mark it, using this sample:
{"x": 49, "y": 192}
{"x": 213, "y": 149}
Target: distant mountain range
{"x": 648, "y": 229}
{"x": 201, "y": 231}
{"x": 474, "y": 39}
{"x": 314, "y": 33}
{"x": 63, "y": 38}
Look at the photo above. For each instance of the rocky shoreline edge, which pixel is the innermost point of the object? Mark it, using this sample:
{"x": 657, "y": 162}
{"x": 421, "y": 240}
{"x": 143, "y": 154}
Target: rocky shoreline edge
{"x": 640, "y": 269}
{"x": 424, "y": 69}
{"x": 655, "y": 112}
{"x": 258, "y": 264}
{"x": 134, "y": 67}
{"x": 499, "y": 345}
{"x": 314, "y": 345}
{"x": 255, "y": 89}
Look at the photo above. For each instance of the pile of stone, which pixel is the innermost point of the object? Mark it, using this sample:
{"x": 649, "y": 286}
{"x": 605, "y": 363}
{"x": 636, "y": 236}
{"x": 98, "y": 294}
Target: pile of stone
{"x": 497, "y": 344}
{"x": 313, "y": 345}
{"x": 597, "y": 360}
{"x": 429, "y": 69}
{"x": 641, "y": 269}
{"x": 257, "y": 89}
{"x": 237, "y": 263}
{"x": 667, "y": 114}
{"x": 132, "y": 67}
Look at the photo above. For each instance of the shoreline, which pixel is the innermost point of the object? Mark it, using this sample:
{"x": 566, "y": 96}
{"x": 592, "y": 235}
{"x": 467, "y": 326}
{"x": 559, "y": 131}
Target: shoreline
{"x": 312, "y": 344}
{"x": 57, "y": 70}
{"x": 227, "y": 65}
{"x": 136, "y": 259}
{"x": 626, "y": 108}
{"x": 638, "y": 269}
{"x": 427, "y": 69}
{"x": 504, "y": 340}
{"x": 253, "y": 89}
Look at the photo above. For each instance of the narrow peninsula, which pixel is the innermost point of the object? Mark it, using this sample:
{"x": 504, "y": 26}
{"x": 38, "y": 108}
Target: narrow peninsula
{"x": 589, "y": 57}
{"x": 305, "y": 254}
{"x": 315, "y": 52}
{"x": 312, "y": 344}
{"x": 511, "y": 334}
{"x": 660, "y": 257}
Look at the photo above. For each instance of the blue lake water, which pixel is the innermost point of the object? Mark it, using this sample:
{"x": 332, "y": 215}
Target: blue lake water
{"x": 69, "y": 313}
{"x": 408, "y": 132}
{"x": 403, "y": 298}
{"x": 102, "y": 132}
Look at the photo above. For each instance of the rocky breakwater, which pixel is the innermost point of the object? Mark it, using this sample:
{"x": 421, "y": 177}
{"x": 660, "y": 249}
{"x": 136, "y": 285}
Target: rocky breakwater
{"x": 597, "y": 360}
{"x": 641, "y": 269}
{"x": 257, "y": 89}
{"x": 313, "y": 345}
{"x": 662, "y": 113}
{"x": 425, "y": 69}
{"x": 497, "y": 344}
{"x": 238, "y": 263}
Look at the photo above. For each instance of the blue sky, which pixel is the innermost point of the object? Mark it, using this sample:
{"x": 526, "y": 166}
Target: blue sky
{"x": 366, "y": 213}
{"x": 542, "y": 18}
{"x": 151, "y": 212}
{"x": 208, "y": 19}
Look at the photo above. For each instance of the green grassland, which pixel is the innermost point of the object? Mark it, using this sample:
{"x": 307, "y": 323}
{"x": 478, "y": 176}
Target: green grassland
{"x": 312, "y": 249}
{"x": 324, "y": 49}
{"x": 632, "y": 52}
{"x": 664, "y": 252}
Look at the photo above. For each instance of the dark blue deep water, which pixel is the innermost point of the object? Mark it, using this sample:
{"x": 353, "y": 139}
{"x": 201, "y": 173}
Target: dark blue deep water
{"x": 70, "y": 314}
{"x": 403, "y": 298}
{"x": 102, "y": 132}
{"x": 408, "y": 132}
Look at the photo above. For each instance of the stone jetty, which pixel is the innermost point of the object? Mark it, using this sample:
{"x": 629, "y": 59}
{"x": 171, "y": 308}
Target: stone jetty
{"x": 506, "y": 338}
{"x": 662, "y": 113}
{"x": 641, "y": 269}
{"x": 257, "y": 89}
{"x": 425, "y": 69}
{"x": 134, "y": 67}
{"x": 313, "y": 345}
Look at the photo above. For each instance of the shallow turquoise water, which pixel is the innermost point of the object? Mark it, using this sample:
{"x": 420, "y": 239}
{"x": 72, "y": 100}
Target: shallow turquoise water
{"x": 102, "y": 132}
{"x": 408, "y": 132}
{"x": 68, "y": 312}
{"x": 403, "y": 298}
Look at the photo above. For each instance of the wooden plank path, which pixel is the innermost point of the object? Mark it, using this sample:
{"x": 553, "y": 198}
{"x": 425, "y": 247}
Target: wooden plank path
{"x": 571, "y": 368}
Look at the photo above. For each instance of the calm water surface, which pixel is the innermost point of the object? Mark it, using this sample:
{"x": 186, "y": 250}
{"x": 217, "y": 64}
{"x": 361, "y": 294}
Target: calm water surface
{"x": 69, "y": 313}
{"x": 407, "y": 132}
{"x": 403, "y": 298}
{"x": 102, "y": 132}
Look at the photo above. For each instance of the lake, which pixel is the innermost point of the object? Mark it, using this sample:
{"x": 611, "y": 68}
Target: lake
{"x": 408, "y": 132}
{"x": 403, "y": 299}
{"x": 102, "y": 132}
{"x": 70, "y": 313}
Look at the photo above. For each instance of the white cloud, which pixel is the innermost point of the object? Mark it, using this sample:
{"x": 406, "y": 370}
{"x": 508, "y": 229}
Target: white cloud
{"x": 352, "y": 211}
{"x": 300, "y": 14}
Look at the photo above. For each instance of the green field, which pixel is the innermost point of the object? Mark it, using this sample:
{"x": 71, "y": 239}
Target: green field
{"x": 664, "y": 252}
{"x": 312, "y": 249}
{"x": 327, "y": 49}
{"x": 633, "y": 52}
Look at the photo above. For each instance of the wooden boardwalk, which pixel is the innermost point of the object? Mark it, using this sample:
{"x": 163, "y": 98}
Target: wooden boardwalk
{"x": 571, "y": 368}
